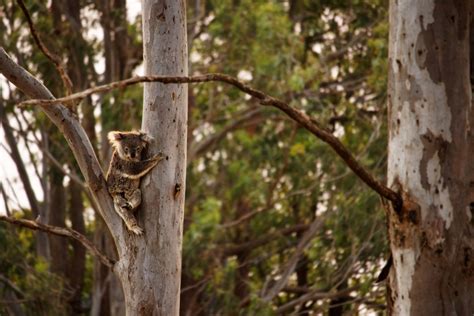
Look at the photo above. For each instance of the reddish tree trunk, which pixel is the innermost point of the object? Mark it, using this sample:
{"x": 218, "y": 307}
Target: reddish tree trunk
{"x": 430, "y": 150}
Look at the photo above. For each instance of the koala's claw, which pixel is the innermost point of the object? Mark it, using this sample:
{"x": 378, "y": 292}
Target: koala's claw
{"x": 136, "y": 230}
{"x": 159, "y": 156}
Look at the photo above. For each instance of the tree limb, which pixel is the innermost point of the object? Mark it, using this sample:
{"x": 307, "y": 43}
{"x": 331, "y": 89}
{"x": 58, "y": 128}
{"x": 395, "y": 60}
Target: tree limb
{"x": 61, "y": 231}
{"x": 299, "y": 116}
{"x": 70, "y": 127}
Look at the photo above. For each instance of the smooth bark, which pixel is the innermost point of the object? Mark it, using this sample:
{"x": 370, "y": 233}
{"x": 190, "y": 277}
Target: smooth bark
{"x": 430, "y": 159}
{"x": 151, "y": 267}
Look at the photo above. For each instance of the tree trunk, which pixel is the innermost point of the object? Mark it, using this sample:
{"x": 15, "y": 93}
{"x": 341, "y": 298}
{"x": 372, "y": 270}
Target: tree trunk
{"x": 150, "y": 268}
{"x": 430, "y": 150}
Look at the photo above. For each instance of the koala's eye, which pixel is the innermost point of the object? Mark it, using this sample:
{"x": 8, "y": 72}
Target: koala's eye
{"x": 126, "y": 149}
{"x": 139, "y": 149}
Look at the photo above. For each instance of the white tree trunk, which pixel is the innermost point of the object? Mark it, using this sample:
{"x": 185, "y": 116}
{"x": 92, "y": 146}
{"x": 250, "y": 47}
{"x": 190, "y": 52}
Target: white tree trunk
{"x": 430, "y": 158}
{"x": 151, "y": 269}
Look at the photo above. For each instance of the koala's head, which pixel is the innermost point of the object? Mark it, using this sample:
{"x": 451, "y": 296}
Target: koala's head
{"x": 129, "y": 145}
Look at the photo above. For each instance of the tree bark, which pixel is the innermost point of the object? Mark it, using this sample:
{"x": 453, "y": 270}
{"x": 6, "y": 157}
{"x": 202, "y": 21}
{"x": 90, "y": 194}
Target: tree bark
{"x": 430, "y": 148}
{"x": 151, "y": 267}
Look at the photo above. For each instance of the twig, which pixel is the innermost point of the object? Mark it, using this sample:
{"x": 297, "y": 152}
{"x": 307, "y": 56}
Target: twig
{"x": 61, "y": 231}
{"x": 204, "y": 145}
{"x": 73, "y": 176}
{"x": 5, "y": 199}
{"x": 11, "y": 285}
{"x": 297, "y": 115}
{"x": 291, "y": 264}
{"x": 54, "y": 58}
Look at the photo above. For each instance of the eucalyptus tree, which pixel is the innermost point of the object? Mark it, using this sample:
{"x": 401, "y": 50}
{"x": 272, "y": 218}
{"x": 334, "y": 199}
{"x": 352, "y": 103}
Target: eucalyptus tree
{"x": 430, "y": 145}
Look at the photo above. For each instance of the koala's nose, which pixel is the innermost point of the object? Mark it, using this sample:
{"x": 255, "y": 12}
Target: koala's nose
{"x": 132, "y": 154}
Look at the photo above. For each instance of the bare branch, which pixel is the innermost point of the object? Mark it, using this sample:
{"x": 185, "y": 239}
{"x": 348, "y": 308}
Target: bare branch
{"x": 61, "y": 231}
{"x": 54, "y": 58}
{"x": 299, "y": 116}
{"x": 5, "y": 199}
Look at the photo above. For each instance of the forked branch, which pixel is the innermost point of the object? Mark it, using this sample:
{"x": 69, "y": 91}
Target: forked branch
{"x": 299, "y": 116}
{"x": 77, "y": 139}
{"x": 61, "y": 231}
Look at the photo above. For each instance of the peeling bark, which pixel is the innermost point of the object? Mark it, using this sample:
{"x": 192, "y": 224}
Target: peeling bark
{"x": 430, "y": 144}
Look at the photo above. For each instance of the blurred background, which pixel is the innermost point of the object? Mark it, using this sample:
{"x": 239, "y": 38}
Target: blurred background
{"x": 266, "y": 201}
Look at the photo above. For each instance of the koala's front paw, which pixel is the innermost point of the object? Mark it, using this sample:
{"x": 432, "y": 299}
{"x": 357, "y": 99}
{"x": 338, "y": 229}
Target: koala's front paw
{"x": 126, "y": 206}
{"x": 159, "y": 156}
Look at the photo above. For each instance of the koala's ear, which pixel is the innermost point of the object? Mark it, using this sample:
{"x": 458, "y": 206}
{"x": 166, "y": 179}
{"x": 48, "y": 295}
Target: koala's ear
{"x": 145, "y": 137}
{"x": 114, "y": 136}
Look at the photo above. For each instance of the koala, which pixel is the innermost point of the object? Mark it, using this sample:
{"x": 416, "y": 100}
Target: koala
{"x": 127, "y": 166}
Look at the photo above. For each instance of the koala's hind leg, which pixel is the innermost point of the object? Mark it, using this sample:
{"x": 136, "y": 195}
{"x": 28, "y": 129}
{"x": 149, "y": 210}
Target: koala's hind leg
{"x": 134, "y": 199}
{"x": 123, "y": 209}
{"x": 120, "y": 201}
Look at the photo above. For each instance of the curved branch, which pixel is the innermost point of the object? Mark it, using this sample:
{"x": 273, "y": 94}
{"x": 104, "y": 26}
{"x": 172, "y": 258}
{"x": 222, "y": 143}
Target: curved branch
{"x": 61, "y": 231}
{"x": 299, "y": 116}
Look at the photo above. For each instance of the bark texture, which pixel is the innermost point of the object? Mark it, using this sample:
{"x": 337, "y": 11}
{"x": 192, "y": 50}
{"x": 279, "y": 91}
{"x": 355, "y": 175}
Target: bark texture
{"x": 151, "y": 270}
{"x": 430, "y": 158}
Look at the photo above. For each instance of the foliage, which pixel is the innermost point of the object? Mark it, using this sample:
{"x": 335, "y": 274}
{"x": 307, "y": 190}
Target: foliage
{"x": 38, "y": 290}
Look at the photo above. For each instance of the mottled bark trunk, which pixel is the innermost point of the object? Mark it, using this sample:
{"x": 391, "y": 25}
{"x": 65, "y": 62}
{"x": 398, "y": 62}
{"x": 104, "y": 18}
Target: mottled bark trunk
{"x": 150, "y": 267}
{"x": 430, "y": 158}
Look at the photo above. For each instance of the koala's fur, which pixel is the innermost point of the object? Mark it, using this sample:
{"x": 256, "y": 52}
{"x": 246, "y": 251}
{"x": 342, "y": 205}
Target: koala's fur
{"x": 126, "y": 168}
